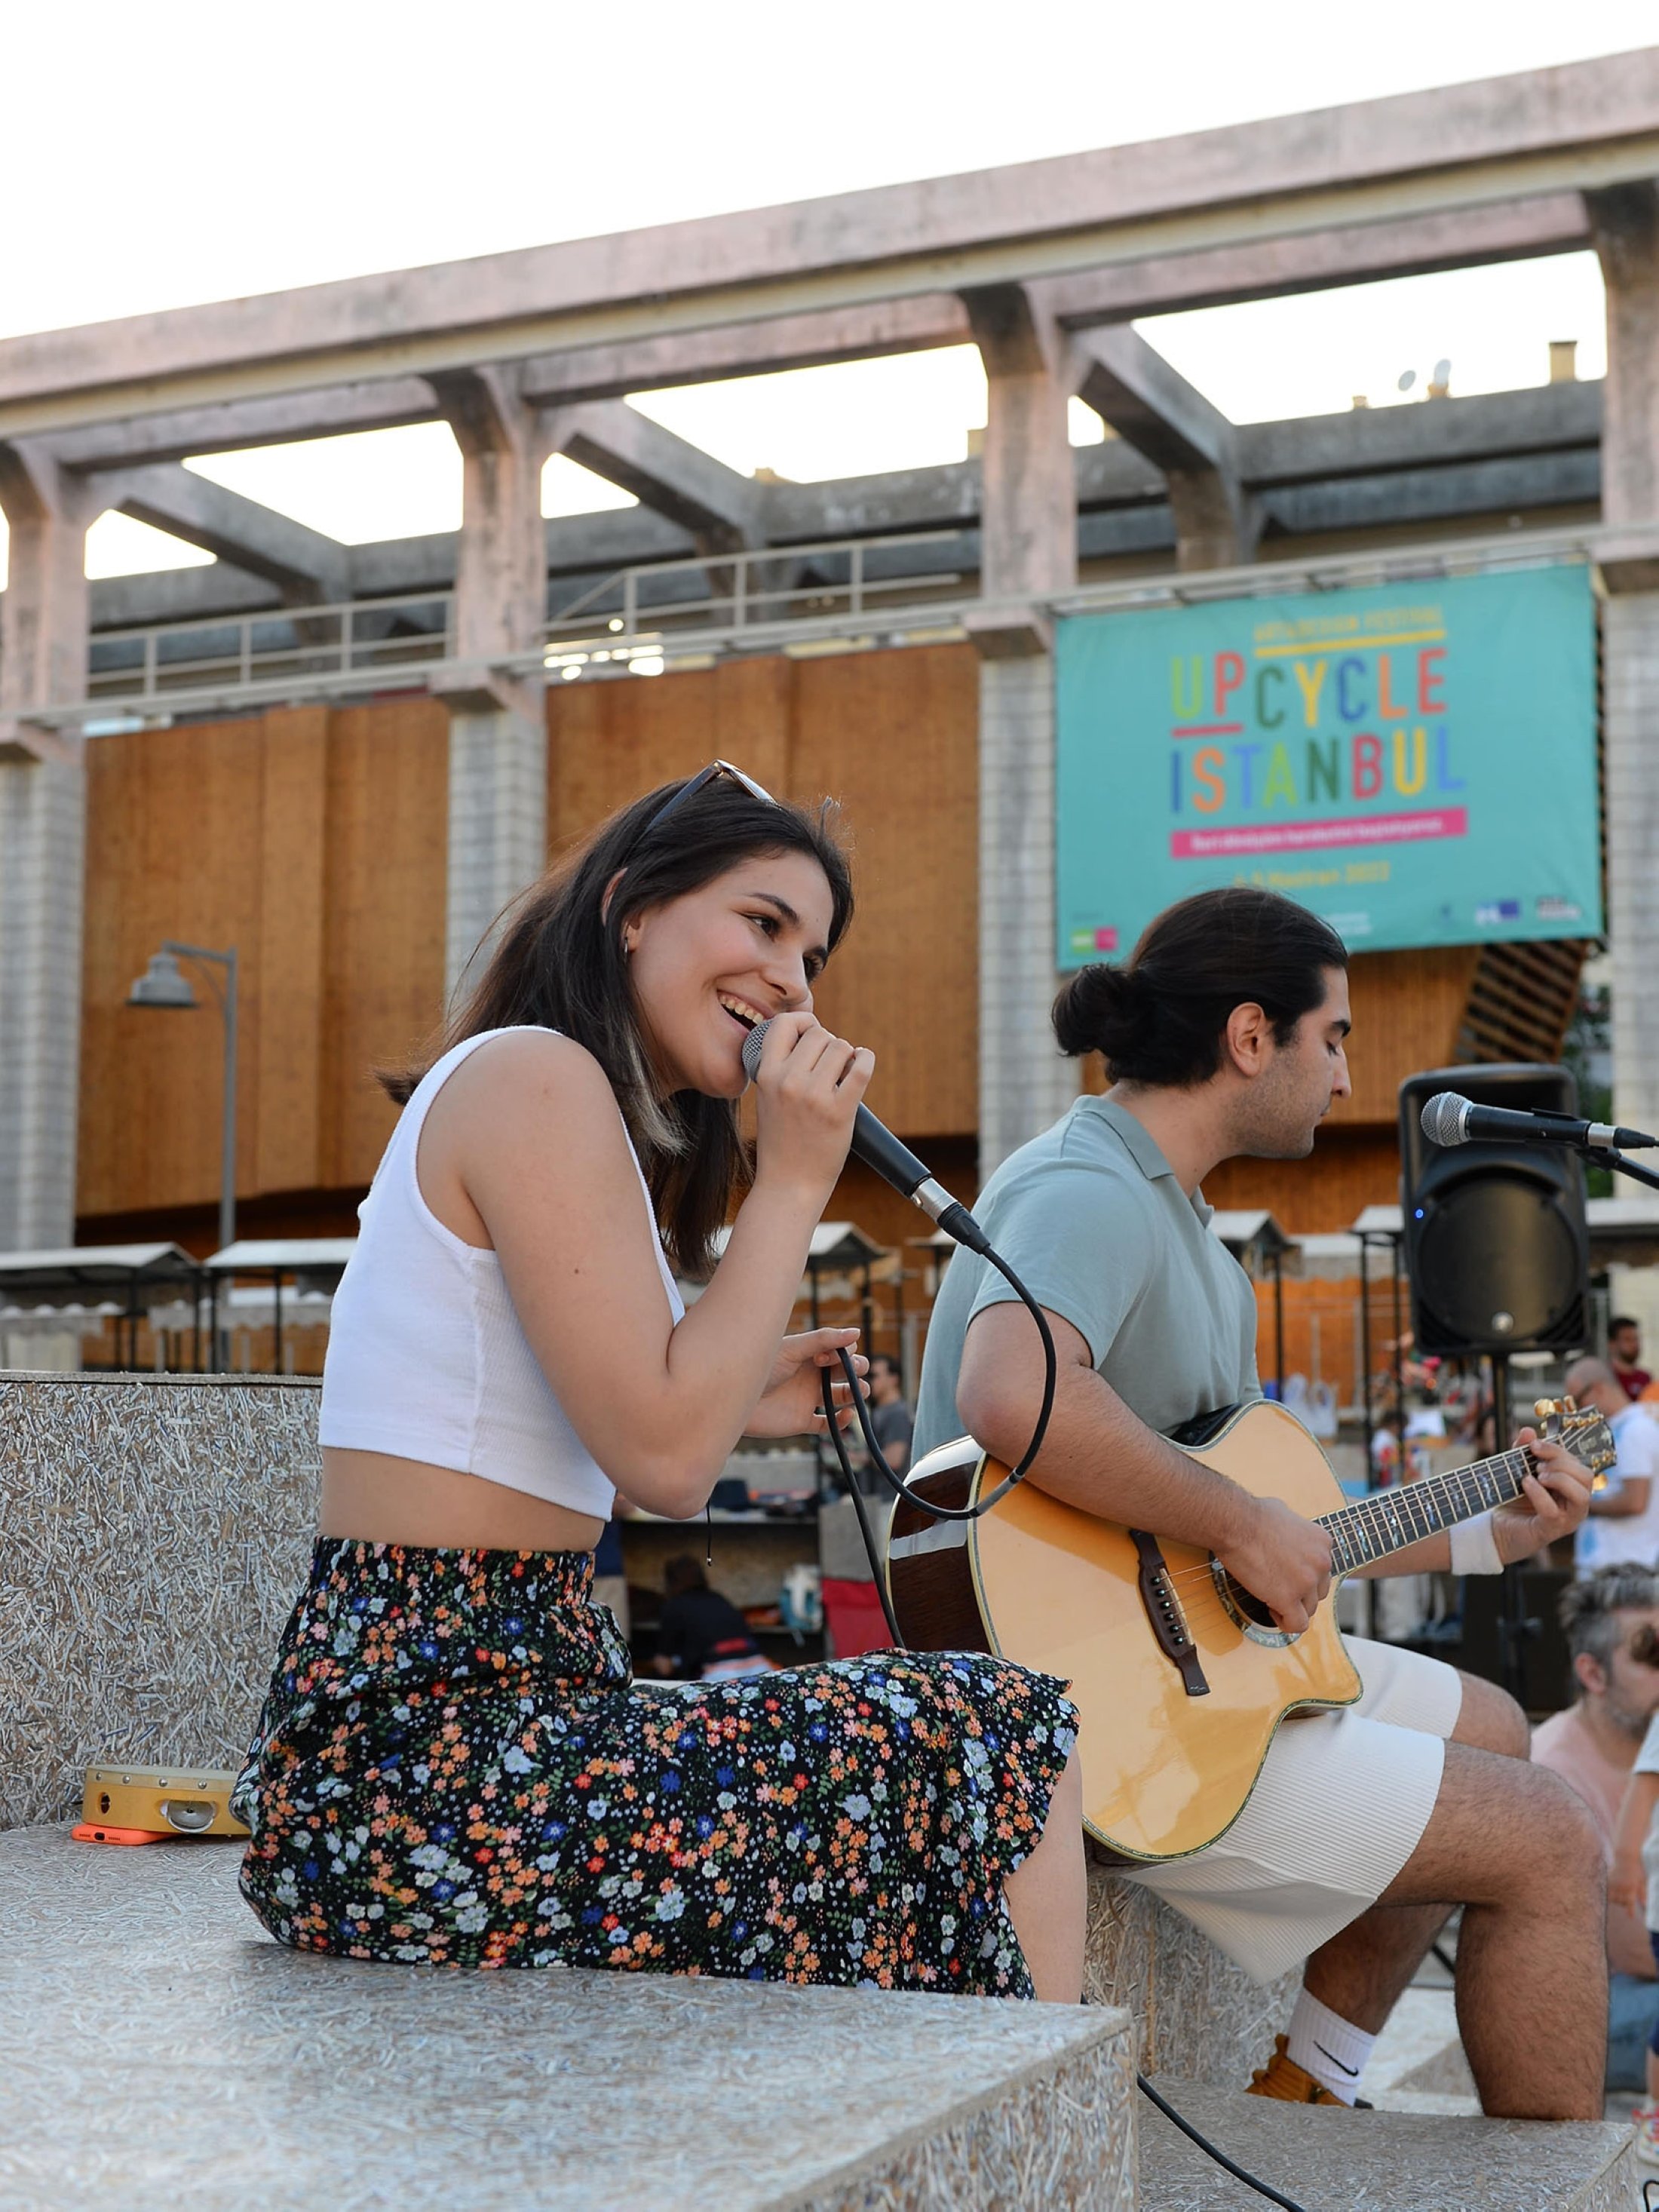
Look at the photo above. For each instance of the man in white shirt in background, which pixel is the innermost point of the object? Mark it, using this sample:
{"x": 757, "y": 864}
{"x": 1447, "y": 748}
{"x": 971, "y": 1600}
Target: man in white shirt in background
{"x": 1623, "y": 1527}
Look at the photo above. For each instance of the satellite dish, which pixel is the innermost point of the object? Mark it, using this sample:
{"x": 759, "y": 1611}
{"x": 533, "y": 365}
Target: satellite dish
{"x": 1443, "y": 372}
{"x": 1407, "y": 378}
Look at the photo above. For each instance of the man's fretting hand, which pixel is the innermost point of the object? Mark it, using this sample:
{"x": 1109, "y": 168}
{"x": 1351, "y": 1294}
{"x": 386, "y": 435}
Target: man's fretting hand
{"x": 1283, "y": 1560}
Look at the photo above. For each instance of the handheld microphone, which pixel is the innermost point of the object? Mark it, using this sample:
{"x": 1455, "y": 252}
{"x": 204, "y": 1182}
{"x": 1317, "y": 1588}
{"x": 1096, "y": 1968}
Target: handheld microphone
{"x": 1449, "y": 1119}
{"x": 896, "y": 1163}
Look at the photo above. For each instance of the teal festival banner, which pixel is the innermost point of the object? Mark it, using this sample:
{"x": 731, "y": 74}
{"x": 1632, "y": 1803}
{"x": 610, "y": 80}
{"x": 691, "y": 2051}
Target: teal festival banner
{"x": 1414, "y": 762}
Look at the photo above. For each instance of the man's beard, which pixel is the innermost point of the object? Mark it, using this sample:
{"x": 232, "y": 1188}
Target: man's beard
{"x": 1625, "y": 1719}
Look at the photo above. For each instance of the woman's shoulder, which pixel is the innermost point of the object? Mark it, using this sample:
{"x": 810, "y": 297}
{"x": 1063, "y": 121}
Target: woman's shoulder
{"x": 522, "y": 1074}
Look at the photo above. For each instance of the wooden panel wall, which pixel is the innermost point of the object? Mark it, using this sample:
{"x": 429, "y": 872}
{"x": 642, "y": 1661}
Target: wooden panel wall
{"x": 893, "y": 737}
{"x": 314, "y": 842}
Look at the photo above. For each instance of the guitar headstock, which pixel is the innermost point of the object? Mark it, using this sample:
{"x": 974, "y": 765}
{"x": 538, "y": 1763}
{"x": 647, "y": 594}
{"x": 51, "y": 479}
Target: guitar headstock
{"x": 1586, "y": 1435}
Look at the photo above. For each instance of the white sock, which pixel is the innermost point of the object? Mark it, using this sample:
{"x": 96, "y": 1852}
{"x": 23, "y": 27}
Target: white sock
{"x": 1333, "y": 2049}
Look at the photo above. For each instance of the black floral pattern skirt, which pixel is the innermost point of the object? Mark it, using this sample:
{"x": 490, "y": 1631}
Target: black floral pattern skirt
{"x": 454, "y": 1766}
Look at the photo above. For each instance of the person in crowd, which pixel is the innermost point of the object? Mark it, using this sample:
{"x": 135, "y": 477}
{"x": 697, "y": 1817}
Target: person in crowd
{"x": 702, "y": 1635}
{"x": 1625, "y": 1356}
{"x": 889, "y": 1415}
{"x": 1611, "y": 1622}
{"x": 1633, "y": 1886}
{"x": 454, "y": 1765}
{"x": 1225, "y": 1036}
{"x": 1623, "y": 1523}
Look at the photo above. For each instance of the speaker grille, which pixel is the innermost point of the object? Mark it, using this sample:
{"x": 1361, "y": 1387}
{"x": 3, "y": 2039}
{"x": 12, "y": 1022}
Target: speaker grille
{"x": 1497, "y": 1263}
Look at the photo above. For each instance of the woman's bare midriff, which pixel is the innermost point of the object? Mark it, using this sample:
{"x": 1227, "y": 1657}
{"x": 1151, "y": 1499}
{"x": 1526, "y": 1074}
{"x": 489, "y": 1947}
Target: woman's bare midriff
{"x": 379, "y": 1499}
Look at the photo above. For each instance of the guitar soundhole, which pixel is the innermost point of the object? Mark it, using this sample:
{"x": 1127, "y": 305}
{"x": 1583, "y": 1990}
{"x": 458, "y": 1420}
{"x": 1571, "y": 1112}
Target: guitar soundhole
{"x": 1247, "y": 1610}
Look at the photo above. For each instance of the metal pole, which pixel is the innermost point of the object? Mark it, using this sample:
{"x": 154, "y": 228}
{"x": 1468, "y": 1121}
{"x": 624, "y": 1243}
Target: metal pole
{"x": 228, "y": 1135}
{"x": 1365, "y": 1350}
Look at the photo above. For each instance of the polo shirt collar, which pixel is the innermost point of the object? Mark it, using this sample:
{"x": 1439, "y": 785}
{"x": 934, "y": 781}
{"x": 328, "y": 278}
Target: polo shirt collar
{"x": 1143, "y": 1149}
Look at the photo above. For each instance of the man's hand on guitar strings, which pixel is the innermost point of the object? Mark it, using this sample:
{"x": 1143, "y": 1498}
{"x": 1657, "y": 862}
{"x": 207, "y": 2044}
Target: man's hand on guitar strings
{"x": 1281, "y": 1559}
{"x": 1557, "y": 1499}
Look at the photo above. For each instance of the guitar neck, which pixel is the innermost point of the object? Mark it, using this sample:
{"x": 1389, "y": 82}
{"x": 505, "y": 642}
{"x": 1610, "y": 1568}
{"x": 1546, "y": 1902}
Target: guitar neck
{"x": 1389, "y": 1520}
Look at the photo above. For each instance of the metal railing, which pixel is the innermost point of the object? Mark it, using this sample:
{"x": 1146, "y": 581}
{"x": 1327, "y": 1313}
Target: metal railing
{"x": 354, "y": 644}
{"x": 625, "y": 622}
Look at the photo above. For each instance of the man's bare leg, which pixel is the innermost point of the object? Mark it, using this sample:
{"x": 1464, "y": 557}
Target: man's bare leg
{"x": 1362, "y": 1972}
{"x": 1522, "y": 1853}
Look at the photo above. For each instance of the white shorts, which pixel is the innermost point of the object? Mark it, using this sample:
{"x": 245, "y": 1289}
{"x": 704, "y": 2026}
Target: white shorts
{"x": 1342, "y": 1800}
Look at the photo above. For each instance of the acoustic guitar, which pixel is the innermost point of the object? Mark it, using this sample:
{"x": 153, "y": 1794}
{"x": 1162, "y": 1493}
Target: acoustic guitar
{"x": 1180, "y": 1675}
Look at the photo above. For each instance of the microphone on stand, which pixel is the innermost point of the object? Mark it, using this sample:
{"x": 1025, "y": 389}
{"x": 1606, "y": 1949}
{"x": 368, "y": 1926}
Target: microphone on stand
{"x": 896, "y": 1163}
{"x": 1450, "y": 1120}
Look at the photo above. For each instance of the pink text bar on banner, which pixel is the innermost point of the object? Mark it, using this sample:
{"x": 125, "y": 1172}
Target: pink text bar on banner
{"x": 1317, "y": 836}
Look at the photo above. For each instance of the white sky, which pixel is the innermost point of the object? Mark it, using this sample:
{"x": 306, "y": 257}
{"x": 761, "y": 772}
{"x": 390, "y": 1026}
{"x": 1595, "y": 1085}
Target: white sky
{"x": 184, "y": 152}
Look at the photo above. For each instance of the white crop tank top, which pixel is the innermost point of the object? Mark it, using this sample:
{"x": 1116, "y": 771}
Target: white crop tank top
{"x": 426, "y": 1359}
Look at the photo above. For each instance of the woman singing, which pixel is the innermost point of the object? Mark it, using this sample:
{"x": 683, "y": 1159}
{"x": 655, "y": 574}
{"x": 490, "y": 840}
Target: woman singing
{"x": 454, "y": 1764}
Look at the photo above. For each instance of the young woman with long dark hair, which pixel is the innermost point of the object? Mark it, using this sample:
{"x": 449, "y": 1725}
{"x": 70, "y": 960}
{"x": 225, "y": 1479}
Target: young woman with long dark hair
{"x": 453, "y": 1764}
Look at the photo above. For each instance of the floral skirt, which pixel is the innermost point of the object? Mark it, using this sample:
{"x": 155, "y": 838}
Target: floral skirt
{"x": 454, "y": 1766}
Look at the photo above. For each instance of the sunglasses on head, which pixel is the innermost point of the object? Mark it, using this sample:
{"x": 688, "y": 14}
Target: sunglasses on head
{"x": 694, "y": 784}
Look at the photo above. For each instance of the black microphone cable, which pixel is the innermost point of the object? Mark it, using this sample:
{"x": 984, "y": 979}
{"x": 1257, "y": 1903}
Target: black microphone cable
{"x": 901, "y": 1491}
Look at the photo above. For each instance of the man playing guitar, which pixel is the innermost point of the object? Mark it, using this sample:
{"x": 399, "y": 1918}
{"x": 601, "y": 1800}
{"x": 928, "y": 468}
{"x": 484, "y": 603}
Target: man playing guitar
{"x": 1223, "y": 1035}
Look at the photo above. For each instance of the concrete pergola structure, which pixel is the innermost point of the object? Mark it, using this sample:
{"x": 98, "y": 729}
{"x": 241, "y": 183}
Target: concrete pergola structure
{"x": 1043, "y": 266}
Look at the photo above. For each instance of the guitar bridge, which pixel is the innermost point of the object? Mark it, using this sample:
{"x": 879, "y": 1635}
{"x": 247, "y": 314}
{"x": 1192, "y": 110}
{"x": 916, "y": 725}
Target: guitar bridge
{"x": 1169, "y": 1622}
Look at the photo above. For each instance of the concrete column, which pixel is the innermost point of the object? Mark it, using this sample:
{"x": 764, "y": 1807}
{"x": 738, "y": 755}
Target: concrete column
{"x": 43, "y": 662}
{"x": 1626, "y": 225}
{"x": 497, "y": 726}
{"x": 1028, "y": 542}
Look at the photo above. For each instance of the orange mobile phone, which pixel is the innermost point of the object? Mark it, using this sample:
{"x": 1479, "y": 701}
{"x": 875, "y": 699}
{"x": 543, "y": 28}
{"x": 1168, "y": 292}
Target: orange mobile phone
{"x": 88, "y": 1832}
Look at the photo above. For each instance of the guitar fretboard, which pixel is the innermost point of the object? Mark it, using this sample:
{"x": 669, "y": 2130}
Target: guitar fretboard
{"x": 1390, "y": 1519}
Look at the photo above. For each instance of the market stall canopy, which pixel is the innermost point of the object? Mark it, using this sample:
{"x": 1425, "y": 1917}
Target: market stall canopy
{"x": 318, "y": 1258}
{"x": 1254, "y": 1238}
{"x": 64, "y": 1276}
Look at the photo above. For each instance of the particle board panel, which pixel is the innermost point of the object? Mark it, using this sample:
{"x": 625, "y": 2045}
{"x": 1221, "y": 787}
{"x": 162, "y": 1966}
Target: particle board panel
{"x": 894, "y": 737}
{"x": 609, "y": 742}
{"x": 175, "y": 849}
{"x": 386, "y": 874}
{"x": 286, "y": 1104}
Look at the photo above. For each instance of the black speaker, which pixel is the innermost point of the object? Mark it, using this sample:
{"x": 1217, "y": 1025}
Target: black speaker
{"x": 1497, "y": 1245}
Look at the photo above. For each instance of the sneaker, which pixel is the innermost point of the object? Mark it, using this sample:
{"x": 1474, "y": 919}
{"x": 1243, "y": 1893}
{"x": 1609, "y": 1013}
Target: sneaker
{"x": 1645, "y": 2120}
{"x": 1291, "y": 2084}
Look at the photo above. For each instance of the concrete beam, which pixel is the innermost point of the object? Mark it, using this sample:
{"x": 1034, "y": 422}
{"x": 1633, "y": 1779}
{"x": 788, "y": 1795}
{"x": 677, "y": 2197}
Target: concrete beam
{"x": 1361, "y": 254}
{"x": 1589, "y": 125}
{"x": 43, "y": 662}
{"x": 1546, "y": 418}
{"x": 717, "y": 507}
{"x": 1403, "y": 497}
{"x": 1541, "y": 429}
{"x": 232, "y": 425}
{"x": 1626, "y": 227}
{"x": 301, "y": 563}
{"x": 1151, "y": 406}
{"x": 755, "y": 348}
{"x": 1136, "y": 392}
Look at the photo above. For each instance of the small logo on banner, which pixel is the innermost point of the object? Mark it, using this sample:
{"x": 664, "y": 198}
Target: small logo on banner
{"x": 1558, "y": 909}
{"x": 1086, "y": 943}
{"x": 1496, "y": 911}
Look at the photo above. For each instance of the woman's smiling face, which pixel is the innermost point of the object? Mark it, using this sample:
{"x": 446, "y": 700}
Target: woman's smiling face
{"x": 705, "y": 967}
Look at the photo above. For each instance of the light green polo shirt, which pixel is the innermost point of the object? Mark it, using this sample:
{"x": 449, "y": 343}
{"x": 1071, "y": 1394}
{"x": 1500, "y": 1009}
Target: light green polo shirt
{"x": 1091, "y": 1217}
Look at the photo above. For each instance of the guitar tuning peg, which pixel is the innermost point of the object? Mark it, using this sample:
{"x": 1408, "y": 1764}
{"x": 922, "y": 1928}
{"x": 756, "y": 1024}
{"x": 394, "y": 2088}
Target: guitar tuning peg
{"x": 1543, "y": 1408}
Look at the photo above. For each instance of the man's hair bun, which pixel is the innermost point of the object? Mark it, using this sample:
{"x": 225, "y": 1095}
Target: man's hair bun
{"x": 1101, "y": 1009}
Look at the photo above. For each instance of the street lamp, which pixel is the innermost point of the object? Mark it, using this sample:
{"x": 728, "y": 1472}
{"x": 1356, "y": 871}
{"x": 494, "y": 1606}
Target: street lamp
{"x": 163, "y": 984}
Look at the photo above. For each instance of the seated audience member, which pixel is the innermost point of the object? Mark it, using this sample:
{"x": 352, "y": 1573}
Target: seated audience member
{"x": 701, "y": 1634}
{"x": 1612, "y": 1624}
{"x": 1625, "y": 1356}
{"x": 1623, "y": 1526}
